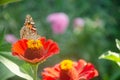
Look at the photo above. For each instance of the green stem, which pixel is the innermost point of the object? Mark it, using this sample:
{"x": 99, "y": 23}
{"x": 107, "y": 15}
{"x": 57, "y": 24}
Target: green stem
{"x": 34, "y": 69}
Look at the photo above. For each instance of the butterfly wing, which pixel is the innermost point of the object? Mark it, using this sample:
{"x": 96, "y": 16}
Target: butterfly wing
{"x": 29, "y": 31}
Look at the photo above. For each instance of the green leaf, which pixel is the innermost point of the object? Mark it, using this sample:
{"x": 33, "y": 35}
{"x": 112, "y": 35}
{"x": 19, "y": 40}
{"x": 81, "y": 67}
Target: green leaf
{"x": 5, "y": 46}
{"x": 2, "y": 33}
{"x": 5, "y": 73}
{"x": 113, "y": 56}
{"x": 118, "y": 43}
{"x": 9, "y": 56}
{"x": 26, "y": 68}
{"x": 4, "y": 2}
{"x": 13, "y": 65}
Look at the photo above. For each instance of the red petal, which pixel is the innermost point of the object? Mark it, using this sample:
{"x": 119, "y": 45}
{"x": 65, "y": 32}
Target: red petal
{"x": 48, "y": 78}
{"x": 50, "y": 47}
{"x": 43, "y": 40}
{"x": 19, "y": 47}
{"x": 51, "y": 73}
{"x": 80, "y": 65}
{"x": 88, "y": 67}
{"x": 88, "y": 72}
{"x": 53, "y": 48}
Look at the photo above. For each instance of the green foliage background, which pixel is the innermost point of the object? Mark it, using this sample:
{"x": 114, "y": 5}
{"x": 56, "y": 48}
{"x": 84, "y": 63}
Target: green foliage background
{"x": 89, "y": 44}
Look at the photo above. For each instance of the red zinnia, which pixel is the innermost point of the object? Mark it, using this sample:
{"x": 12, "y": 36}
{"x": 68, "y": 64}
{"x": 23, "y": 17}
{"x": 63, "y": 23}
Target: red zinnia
{"x": 34, "y": 51}
{"x": 68, "y": 70}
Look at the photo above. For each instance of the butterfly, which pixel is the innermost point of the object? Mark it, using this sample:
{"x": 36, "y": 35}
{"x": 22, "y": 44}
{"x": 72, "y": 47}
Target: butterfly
{"x": 29, "y": 31}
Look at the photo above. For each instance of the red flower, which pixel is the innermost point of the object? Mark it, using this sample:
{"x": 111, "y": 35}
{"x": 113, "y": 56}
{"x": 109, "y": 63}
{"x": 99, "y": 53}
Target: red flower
{"x": 68, "y": 70}
{"x": 34, "y": 51}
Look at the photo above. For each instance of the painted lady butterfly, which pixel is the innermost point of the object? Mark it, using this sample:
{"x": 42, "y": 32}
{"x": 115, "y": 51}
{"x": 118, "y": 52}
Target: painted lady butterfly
{"x": 29, "y": 31}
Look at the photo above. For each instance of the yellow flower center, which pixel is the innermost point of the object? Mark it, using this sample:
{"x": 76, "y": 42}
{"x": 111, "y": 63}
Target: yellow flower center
{"x": 66, "y": 64}
{"x": 34, "y": 44}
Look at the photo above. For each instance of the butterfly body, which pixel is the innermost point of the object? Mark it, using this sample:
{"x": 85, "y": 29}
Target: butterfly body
{"x": 29, "y": 31}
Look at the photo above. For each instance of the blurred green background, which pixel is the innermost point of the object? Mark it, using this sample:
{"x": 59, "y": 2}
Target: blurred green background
{"x": 93, "y": 40}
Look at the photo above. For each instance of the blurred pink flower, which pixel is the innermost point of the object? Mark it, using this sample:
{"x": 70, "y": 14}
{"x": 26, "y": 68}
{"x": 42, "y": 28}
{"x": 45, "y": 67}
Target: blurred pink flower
{"x": 59, "y": 22}
{"x": 10, "y": 38}
{"x": 78, "y": 24}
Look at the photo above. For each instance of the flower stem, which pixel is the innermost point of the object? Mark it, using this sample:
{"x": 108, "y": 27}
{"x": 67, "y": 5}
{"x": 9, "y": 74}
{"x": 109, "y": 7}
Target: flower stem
{"x": 34, "y": 70}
